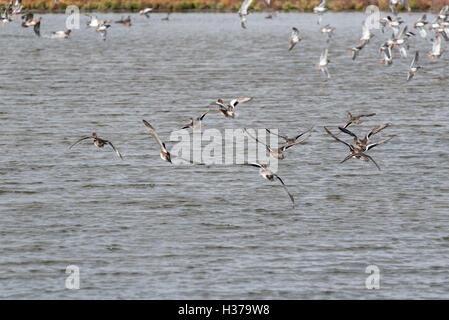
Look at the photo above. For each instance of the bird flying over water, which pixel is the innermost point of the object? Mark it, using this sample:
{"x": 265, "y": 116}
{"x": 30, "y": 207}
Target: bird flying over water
{"x": 165, "y": 155}
{"x": 100, "y": 143}
{"x": 294, "y": 38}
{"x": 414, "y": 67}
{"x": 243, "y": 12}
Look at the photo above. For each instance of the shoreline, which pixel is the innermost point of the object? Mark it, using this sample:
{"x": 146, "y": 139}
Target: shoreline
{"x": 220, "y": 6}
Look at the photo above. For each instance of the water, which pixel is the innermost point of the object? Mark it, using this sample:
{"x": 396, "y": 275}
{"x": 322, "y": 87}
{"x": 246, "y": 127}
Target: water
{"x": 142, "y": 229}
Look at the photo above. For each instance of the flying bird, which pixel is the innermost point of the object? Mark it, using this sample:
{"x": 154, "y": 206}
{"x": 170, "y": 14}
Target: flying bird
{"x": 165, "y": 155}
{"x": 100, "y": 143}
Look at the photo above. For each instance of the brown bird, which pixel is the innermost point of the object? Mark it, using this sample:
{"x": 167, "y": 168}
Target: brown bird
{"x": 362, "y": 144}
{"x": 356, "y": 119}
{"x": 100, "y": 143}
{"x": 276, "y": 154}
{"x": 353, "y": 151}
{"x": 291, "y": 140}
{"x": 165, "y": 155}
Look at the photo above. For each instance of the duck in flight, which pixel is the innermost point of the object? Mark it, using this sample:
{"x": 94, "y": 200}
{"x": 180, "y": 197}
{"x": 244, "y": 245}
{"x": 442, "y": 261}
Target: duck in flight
{"x": 195, "y": 123}
{"x": 276, "y": 154}
{"x": 356, "y": 119}
{"x": 414, "y": 67}
{"x": 165, "y": 155}
{"x": 100, "y": 143}
{"x": 362, "y": 144}
{"x": 320, "y": 9}
{"x": 146, "y": 12}
{"x": 294, "y": 38}
{"x": 324, "y": 61}
{"x": 228, "y": 110}
{"x": 269, "y": 175}
{"x": 291, "y": 140}
{"x": 353, "y": 151}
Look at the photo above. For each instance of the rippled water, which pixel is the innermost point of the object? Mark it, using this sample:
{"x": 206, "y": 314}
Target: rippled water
{"x": 143, "y": 229}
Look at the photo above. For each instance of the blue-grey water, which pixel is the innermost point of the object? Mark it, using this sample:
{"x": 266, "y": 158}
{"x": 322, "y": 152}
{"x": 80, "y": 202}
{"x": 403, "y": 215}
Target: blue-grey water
{"x": 143, "y": 229}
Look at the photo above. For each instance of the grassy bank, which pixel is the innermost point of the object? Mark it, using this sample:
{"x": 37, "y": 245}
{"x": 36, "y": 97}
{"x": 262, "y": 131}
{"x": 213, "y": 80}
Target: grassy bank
{"x": 219, "y": 5}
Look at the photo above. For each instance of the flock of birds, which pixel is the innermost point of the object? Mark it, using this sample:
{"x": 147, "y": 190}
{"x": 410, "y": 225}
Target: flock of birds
{"x": 11, "y": 12}
{"x": 397, "y": 40}
{"x": 360, "y": 146}
{"x": 357, "y": 150}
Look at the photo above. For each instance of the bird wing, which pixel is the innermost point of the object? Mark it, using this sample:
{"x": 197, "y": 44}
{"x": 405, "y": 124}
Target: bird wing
{"x": 377, "y": 129}
{"x": 37, "y": 28}
{"x": 203, "y": 115}
{"x": 83, "y": 138}
{"x": 339, "y": 140}
{"x": 283, "y": 137}
{"x": 244, "y": 8}
{"x": 154, "y": 134}
{"x": 257, "y": 140}
{"x": 348, "y": 132}
{"x": 285, "y": 188}
{"x": 372, "y": 145}
{"x": 115, "y": 149}
{"x": 415, "y": 60}
{"x": 235, "y": 102}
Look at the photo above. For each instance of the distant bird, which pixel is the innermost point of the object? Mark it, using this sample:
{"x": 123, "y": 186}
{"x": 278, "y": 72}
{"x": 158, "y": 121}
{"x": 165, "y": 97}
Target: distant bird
{"x": 366, "y": 31}
{"x": 126, "y": 22}
{"x": 291, "y": 140}
{"x": 353, "y": 151}
{"x": 146, "y": 12}
{"x": 100, "y": 143}
{"x": 294, "y": 38}
{"x": 320, "y": 9}
{"x": 436, "y": 49}
{"x": 197, "y": 122}
{"x": 414, "y": 67}
{"x": 327, "y": 29}
{"x": 61, "y": 34}
{"x": 420, "y": 24}
{"x": 386, "y": 50}
{"x": 243, "y": 12}
{"x": 276, "y": 154}
{"x": 228, "y": 110}
{"x": 402, "y": 41}
{"x": 37, "y": 27}
{"x": 362, "y": 144}
{"x": 355, "y": 50}
{"x": 167, "y": 17}
{"x": 324, "y": 61}
{"x": 356, "y": 119}
{"x": 93, "y": 22}
{"x": 165, "y": 155}
{"x": 5, "y": 17}
{"x": 267, "y": 174}
{"x": 271, "y": 15}
{"x": 102, "y": 30}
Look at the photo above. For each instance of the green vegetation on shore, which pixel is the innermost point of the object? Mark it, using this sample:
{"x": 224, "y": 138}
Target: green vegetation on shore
{"x": 220, "y": 5}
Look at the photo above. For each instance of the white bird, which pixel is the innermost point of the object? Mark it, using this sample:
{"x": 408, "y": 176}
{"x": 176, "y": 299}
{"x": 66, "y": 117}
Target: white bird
{"x": 366, "y": 32}
{"x": 414, "y": 67}
{"x": 61, "y": 34}
{"x": 320, "y": 9}
{"x": 146, "y": 12}
{"x": 243, "y": 12}
{"x": 322, "y": 66}
{"x": 436, "y": 49}
{"x": 294, "y": 38}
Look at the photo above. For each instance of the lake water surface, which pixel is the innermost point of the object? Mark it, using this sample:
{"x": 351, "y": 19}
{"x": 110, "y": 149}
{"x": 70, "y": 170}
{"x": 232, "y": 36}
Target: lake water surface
{"x": 142, "y": 229}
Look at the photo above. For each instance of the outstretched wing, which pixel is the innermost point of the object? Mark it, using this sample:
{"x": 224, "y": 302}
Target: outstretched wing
{"x": 285, "y": 188}
{"x": 154, "y": 134}
{"x": 372, "y": 145}
{"x": 377, "y": 129}
{"x": 244, "y": 8}
{"x": 115, "y": 149}
{"x": 333, "y": 136}
{"x": 37, "y": 28}
{"x": 348, "y": 132}
{"x": 83, "y": 138}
